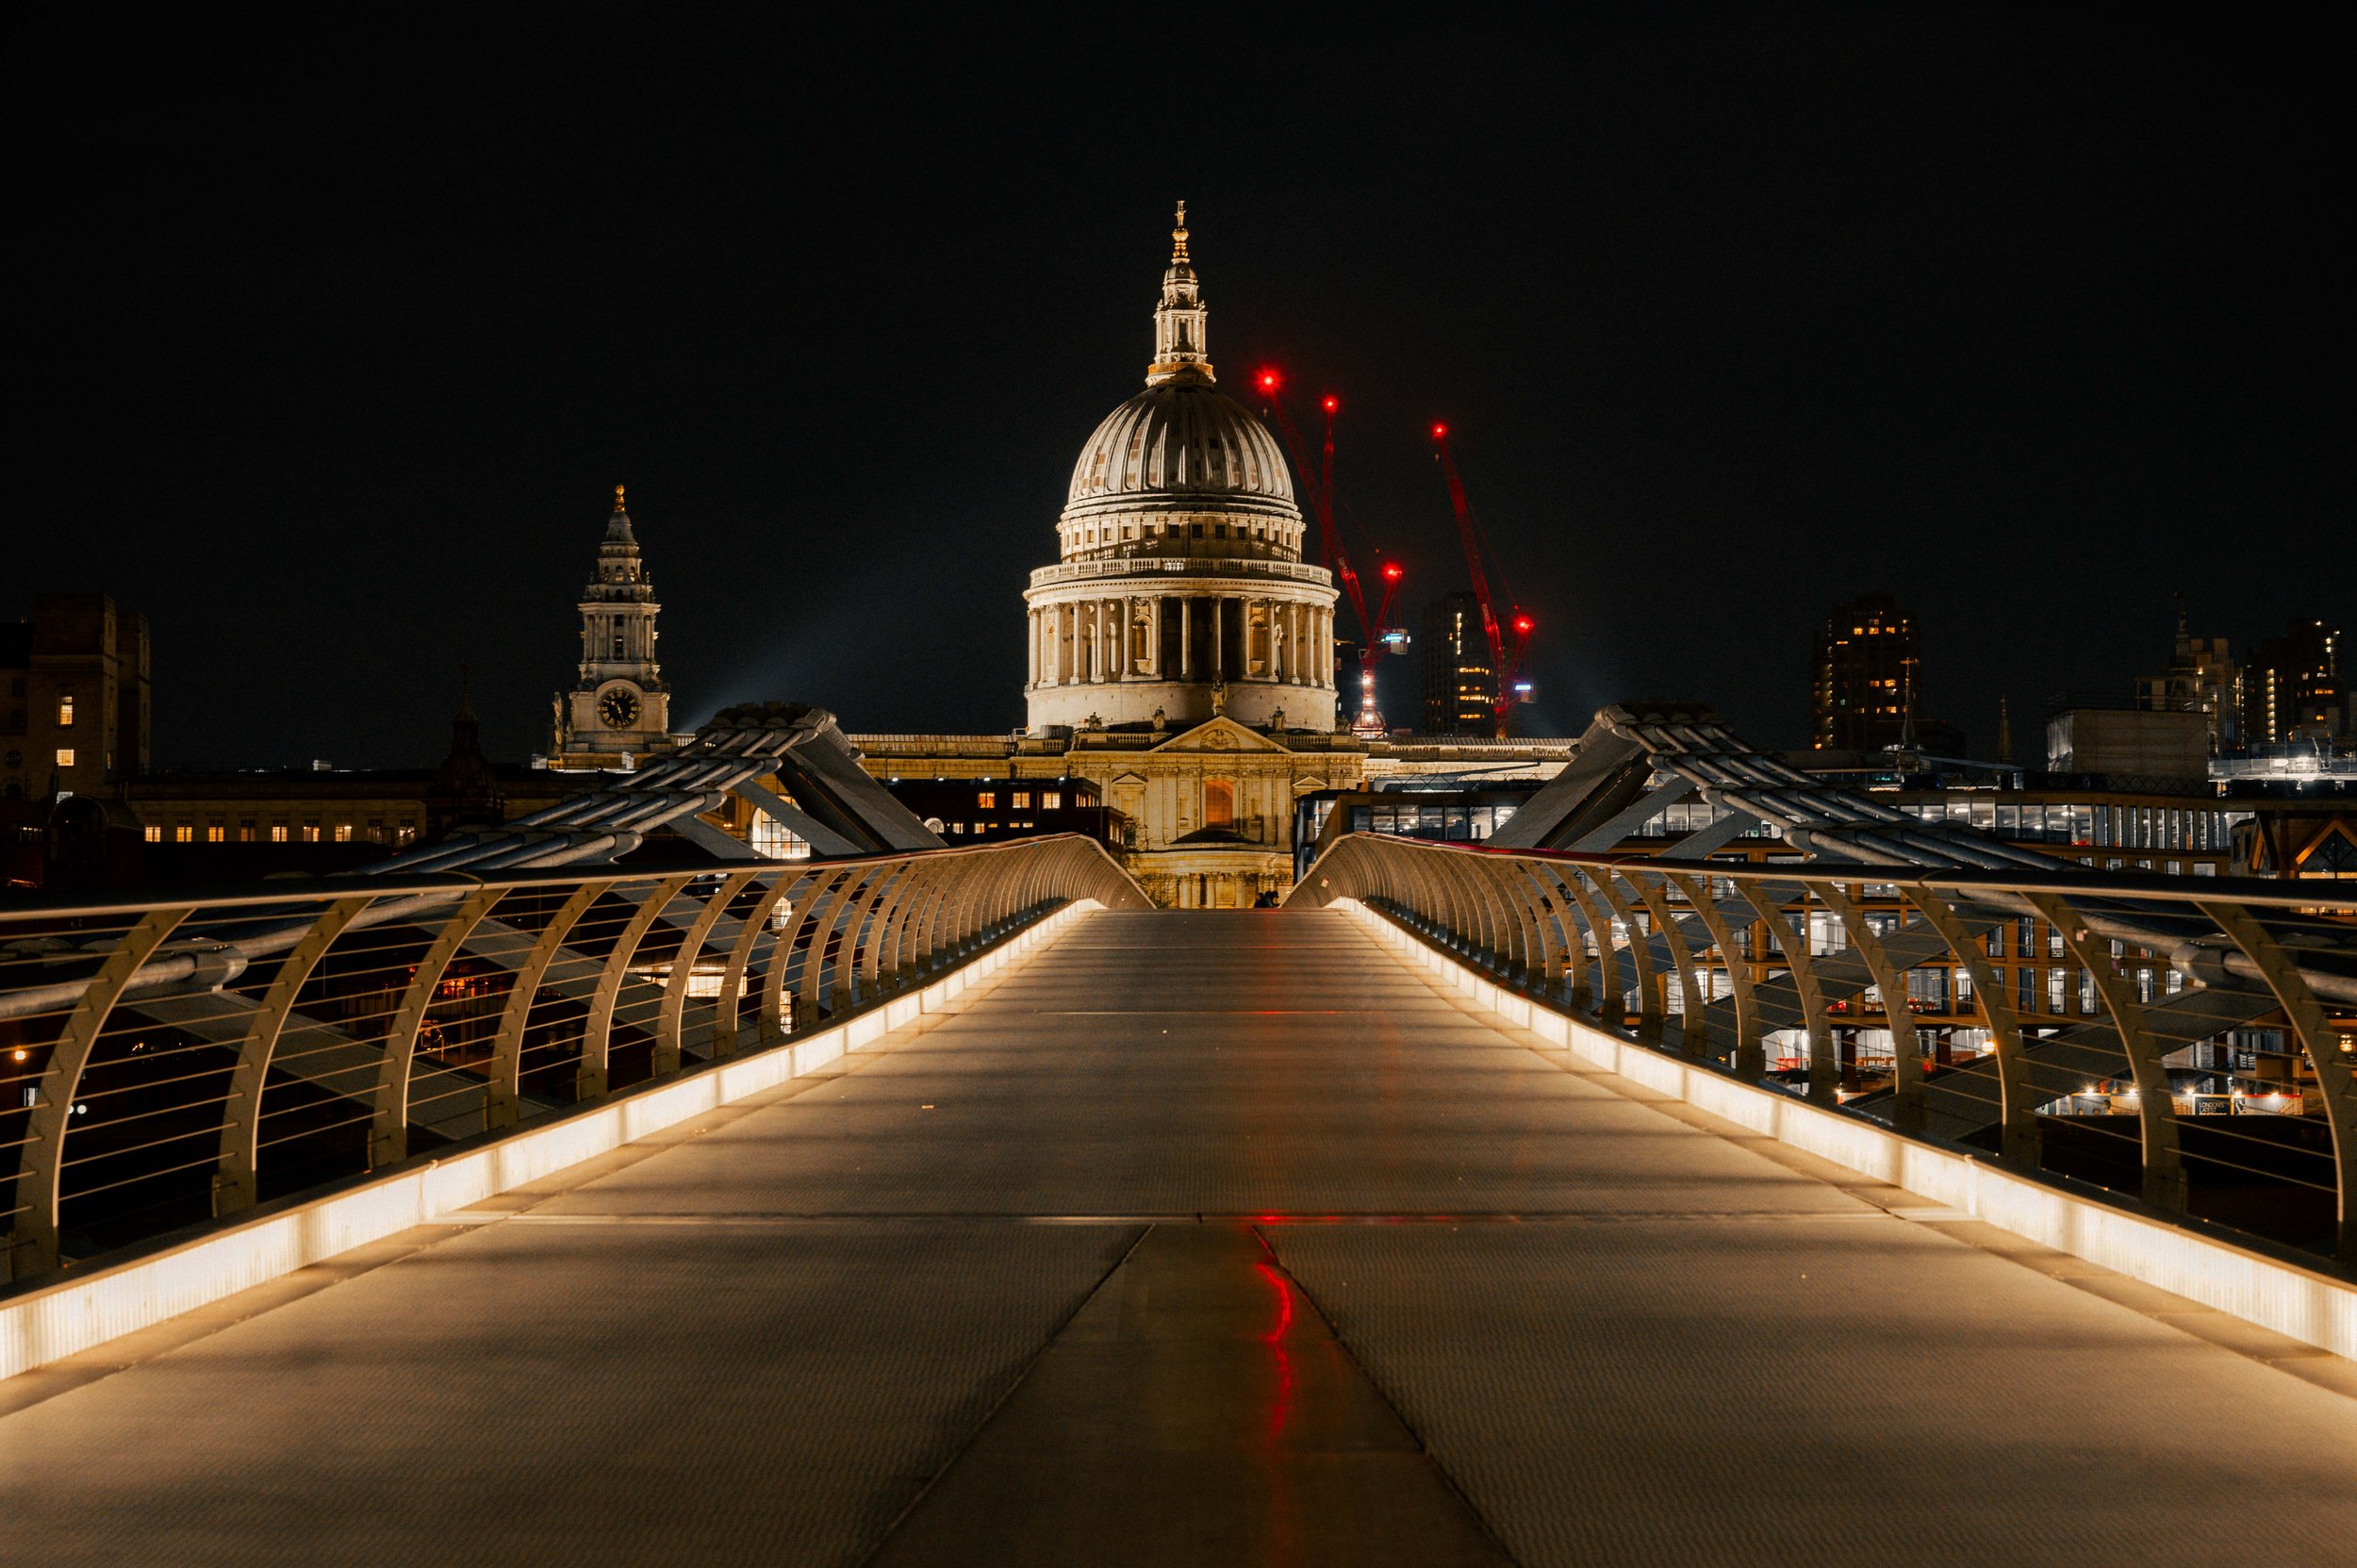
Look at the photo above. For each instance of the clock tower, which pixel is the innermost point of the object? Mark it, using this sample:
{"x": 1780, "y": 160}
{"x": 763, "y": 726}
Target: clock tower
{"x": 618, "y": 709}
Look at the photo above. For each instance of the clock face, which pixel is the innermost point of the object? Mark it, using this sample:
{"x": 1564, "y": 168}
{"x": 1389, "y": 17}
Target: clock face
{"x": 618, "y": 708}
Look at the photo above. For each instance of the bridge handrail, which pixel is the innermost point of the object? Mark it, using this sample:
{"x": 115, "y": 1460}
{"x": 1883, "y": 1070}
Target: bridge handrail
{"x": 1798, "y": 951}
{"x": 168, "y": 1060}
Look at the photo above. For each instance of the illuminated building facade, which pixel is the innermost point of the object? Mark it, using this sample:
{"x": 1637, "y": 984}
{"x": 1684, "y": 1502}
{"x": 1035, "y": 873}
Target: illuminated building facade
{"x": 1867, "y": 678}
{"x": 74, "y": 697}
{"x": 1460, "y": 682}
{"x": 2294, "y": 690}
{"x": 1181, "y": 654}
{"x": 2201, "y": 678}
{"x": 619, "y": 707}
{"x": 1179, "y": 594}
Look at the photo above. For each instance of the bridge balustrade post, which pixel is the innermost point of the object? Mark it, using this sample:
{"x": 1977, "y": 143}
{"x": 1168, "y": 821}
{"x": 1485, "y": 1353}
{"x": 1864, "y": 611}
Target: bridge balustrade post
{"x": 1825, "y": 1070}
{"x": 235, "y": 1182}
{"x": 1532, "y": 904}
{"x": 1692, "y": 1000}
{"x": 2156, "y": 1107}
{"x": 826, "y": 925}
{"x": 40, "y": 1173}
{"x": 901, "y": 919}
{"x": 855, "y": 960}
{"x": 2335, "y": 1069}
{"x": 504, "y": 1084}
{"x": 1464, "y": 900}
{"x": 1432, "y": 896}
{"x": 780, "y": 982}
{"x": 1470, "y": 922}
{"x": 931, "y": 921}
{"x": 388, "y": 1122}
{"x": 669, "y": 1036}
{"x": 1639, "y": 948}
{"x": 1510, "y": 892}
{"x": 2017, "y": 1108}
{"x": 1602, "y": 975}
{"x": 1906, "y": 1048}
{"x": 1748, "y": 1059}
{"x": 591, "y": 1076}
{"x": 729, "y": 1005}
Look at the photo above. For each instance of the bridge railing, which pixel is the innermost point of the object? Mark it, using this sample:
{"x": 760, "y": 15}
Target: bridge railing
{"x": 2191, "y": 1041}
{"x": 164, "y": 1062}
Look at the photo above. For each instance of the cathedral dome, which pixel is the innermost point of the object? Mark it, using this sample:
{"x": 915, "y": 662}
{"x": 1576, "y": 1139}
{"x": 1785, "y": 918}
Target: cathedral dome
{"x": 1181, "y": 467}
{"x": 1180, "y": 592}
{"x": 1184, "y": 439}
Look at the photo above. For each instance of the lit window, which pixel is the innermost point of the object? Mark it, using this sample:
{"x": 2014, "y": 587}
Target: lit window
{"x": 65, "y": 710}
{"x": 278, "y": 832}
{"x": 310, "y": 832}
{"x": 1051, "y": 800}
{"x": 245, "y": 833}
{"x": 1021, "y": 800}
{"x": 155, "y": 833}
{"x": 215, "y": 833}
{"x": 344, "y": 832}
{"x": 182, "y": 834}
{"x": 767, "y": 836}
{"x": 65, "y": 757}
{"x": 985, "y": 800}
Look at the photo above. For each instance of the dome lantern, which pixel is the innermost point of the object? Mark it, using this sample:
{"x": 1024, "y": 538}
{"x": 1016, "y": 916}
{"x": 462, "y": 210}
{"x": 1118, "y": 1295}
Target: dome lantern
{"x": 1182, "y": 331}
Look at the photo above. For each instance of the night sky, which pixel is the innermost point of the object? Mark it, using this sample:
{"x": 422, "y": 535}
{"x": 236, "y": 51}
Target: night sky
{"x": 330, "y": 337}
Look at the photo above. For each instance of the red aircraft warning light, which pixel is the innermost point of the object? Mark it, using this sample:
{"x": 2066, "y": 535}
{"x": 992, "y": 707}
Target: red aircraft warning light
{"x": 1331, "y": 405}
{"x": 1391, "y": 571}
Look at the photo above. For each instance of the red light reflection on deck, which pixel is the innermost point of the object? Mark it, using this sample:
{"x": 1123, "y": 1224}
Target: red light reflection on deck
{"x": 1281, "y": 1412}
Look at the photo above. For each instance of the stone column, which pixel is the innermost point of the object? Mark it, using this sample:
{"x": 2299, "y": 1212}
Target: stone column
{"x": 1186, "y": 639}
{"x": 1031, "y": 623}
{"x": 1219, "y": 639}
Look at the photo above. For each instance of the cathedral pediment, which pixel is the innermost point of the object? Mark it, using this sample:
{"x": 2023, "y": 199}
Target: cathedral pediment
{"x": 1221, "y": 735}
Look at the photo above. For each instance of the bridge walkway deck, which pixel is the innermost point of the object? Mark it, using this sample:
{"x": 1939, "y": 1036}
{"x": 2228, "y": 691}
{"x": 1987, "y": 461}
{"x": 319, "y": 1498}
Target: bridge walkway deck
{"x": 1201, "y": 1238}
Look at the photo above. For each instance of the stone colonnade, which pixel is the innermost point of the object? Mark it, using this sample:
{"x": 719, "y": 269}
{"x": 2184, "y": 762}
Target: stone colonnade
{"x": 1131, "y": 637}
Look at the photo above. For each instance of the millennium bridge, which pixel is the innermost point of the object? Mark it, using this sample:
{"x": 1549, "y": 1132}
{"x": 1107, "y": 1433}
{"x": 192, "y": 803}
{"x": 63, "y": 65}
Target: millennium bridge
{"x": 588, "y": 1191}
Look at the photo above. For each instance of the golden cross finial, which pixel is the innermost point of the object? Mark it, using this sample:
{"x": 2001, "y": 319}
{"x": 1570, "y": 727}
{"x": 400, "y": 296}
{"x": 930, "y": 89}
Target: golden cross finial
{"x": 618, "y": 498}
{"x": 1179, "y": 237}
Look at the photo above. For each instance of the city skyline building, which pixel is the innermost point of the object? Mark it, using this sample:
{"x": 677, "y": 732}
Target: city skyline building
{"x": 75, "y": 704}
{"x": 1867, "y": 681}
{"x": 2201, "y": 678}
{"x": 2293, "y": 689}
{"x": 1460, "y": 683}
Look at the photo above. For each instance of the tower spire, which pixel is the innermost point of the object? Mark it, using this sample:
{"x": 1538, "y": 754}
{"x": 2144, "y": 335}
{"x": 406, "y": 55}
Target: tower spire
{"x": 618, "y": 498}
{"x": 1181, "y": 322}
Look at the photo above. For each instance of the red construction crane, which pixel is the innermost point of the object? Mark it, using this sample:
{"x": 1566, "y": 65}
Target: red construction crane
{"x": 1507, "y": 662}
{"x": 1374, "y": 637}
